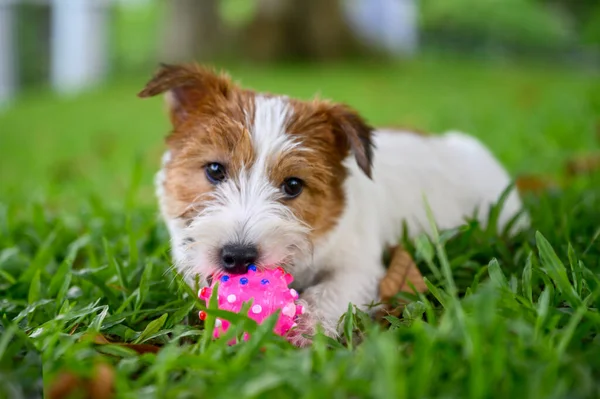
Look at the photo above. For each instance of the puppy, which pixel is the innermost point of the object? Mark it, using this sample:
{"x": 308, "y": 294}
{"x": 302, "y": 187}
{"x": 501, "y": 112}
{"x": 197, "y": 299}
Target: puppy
{"x": 307, "y": 185}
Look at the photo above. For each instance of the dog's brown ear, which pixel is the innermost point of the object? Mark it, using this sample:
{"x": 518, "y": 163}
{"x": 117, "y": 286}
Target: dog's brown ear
{"x": 356, "y": 133}
{"x": 188, "y": 88}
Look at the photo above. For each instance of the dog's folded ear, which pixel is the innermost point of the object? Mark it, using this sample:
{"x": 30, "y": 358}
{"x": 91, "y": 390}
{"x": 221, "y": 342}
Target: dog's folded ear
{"x": 188, "y": 88}
{"x": 354, "y": 132}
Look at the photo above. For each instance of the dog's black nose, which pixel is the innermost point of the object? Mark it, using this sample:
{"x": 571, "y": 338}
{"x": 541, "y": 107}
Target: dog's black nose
{"x": 235, "y": 258}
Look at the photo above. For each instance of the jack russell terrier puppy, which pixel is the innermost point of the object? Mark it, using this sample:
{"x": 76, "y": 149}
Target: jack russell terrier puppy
{"x": 256, "y": 178}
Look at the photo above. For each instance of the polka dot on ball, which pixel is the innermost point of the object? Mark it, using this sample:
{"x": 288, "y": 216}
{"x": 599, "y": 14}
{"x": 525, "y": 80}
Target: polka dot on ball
{"x": 289, "y": 310}
{"x": 218, "y": 323}
{"x": 256, "y": 309}
{"x": 243, "y": 281}
{"x": 231, "y": 298}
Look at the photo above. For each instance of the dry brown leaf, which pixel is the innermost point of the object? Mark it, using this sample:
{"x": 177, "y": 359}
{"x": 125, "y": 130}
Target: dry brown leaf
{"x": 402, "y": 272}
{"x": 534, "y": 184}
{"x": 100, "y": 386}
{"x": 142, "y": 348}
{"x": 64, "y": 385}
{"x": 73, "y": 329}
{"x": 583, "y": 164}
{"x": 100, "y": 339}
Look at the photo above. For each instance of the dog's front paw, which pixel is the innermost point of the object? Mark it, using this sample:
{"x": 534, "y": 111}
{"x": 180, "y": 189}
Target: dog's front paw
{"x": 306, "y": 327}
{"x": 301, "y": 334}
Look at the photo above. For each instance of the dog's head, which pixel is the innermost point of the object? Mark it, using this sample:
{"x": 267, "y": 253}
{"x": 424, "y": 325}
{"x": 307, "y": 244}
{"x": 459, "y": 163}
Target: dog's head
{"x": 249, "y": 177}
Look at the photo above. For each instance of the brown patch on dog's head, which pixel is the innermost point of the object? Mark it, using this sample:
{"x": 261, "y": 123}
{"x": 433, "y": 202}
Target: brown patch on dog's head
{"x": 329, "y": 132}
{"x": 190, "y": 89}
{"x": 211, "y": 119}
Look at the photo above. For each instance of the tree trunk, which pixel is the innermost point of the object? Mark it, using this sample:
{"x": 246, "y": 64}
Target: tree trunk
{"x": 300, "y": 29}
{"x": 328, "y": 35}
{"x": 193, "y": 30}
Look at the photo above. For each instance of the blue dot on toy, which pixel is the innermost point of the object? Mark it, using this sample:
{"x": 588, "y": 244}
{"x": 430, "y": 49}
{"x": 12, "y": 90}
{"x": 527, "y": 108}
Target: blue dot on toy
{"x": 225, "y": 279}
{"x": 243, "y": 281}
{"x": 252, "y": 267}
{"x": 264, "y": 281}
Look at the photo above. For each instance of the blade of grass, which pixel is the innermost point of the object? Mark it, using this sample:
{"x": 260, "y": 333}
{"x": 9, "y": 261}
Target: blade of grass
{"x": 496, "y": 275}
{"x": 152, "y": 328}
{"x": 526, "y": 282}
{"x": 441, "y": 254}
{"x": 543, "y": 306}
{"x": 209, "y": 322}
{"x": 35, "y": 288}
{"x": 116, "y": 266}
{"x": 425, "y": 250}
{"x": 574, "y": 320}
{"x": 42, "y": 256}
{"x": 575, "y": 270}
{"x": 144, "y": 286}
{"x": 349, "y": 325}
{"x": 496, "y": 210}
{"x": 556, "y": 270}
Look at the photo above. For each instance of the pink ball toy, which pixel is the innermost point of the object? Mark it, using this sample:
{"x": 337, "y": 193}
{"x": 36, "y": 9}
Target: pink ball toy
{"x": 269, "y": 292}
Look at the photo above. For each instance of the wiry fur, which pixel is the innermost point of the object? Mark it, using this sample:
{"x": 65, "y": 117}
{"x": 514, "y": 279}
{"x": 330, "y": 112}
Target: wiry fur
{"x": 332, "y": 236}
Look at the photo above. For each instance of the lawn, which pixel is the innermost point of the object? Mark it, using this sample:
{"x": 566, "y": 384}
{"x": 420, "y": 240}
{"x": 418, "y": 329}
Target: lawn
{"x": 84, "y": 258}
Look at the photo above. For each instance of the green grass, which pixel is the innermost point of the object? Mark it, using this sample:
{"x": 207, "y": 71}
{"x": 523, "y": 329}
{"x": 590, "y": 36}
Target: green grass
{"x": 82, "y": 250}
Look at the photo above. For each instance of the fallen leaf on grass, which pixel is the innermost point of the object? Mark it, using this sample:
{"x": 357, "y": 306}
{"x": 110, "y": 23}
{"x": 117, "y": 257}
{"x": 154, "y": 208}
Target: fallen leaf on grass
{"x": 534, "y": 184}
{"x": 401, "y": 274}
{"x": 583, "y": 164}
{"x": 99, "y": 386}
{"x": 142, "y": 348}
{"x": 401, "y": 271}
{"x": 102, "y": 385}
{"x": 100, "y": 339}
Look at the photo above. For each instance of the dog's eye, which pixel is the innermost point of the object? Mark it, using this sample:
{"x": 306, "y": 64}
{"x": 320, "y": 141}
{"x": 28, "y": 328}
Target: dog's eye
{"x": 215, "y": 172}
{"x": 292, "y": 187}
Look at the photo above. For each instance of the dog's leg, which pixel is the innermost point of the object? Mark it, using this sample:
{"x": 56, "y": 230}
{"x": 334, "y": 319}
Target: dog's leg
{"x": 326, "y": 301}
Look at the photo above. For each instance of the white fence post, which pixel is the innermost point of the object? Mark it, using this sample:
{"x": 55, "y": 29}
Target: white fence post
{"x": 79, "y": 40}
{"x": 388, "y": 24}
{"x": 401, "y": 30}
{"x": 8, "y": 55}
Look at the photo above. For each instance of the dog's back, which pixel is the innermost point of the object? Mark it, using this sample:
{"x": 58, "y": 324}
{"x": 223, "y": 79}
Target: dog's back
{"x": 454, "y": 172}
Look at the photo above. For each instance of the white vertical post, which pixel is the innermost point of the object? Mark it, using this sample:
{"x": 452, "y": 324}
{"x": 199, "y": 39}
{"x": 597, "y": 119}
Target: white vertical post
{"x": 8, "y": 54}
{"x": 79, "y": 43}
{"x": 389, "y": 24}
{"x": 400, "y": 26}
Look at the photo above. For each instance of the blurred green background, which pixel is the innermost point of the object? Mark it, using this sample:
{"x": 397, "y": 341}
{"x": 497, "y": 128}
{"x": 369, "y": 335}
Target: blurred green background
{"x": 520, "y": 74}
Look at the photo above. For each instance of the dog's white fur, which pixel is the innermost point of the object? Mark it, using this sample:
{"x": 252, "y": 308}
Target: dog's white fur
{"x": 453, "y": 171}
